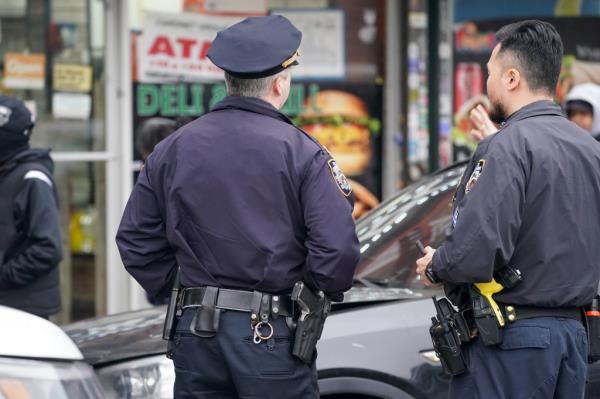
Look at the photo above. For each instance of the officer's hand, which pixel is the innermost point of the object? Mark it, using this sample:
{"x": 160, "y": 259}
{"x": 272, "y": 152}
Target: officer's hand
{"x": 483, "y": 126}
{"x": 422, "y": 265}
{"x": 364, "y": 200}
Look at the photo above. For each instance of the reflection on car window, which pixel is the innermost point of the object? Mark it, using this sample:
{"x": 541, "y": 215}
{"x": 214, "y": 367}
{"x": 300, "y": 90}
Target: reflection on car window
{"x": 421, "y": 211}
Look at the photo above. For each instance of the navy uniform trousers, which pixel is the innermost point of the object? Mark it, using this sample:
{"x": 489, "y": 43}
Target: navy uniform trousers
{"x": 230, "y": 365}
{"x": 543, "y": 357}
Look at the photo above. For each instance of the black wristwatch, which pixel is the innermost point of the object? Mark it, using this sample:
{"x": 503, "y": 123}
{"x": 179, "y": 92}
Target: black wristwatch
{"x": 431, "y": 274}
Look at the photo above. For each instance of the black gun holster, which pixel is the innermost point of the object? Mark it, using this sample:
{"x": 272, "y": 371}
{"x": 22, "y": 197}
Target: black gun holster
{"x": 314, "y": 309}
{"x": 305, "y": 339}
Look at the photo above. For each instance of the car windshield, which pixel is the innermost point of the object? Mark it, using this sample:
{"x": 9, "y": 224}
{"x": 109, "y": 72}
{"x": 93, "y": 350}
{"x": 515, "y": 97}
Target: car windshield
{"x": 387, "y": 235}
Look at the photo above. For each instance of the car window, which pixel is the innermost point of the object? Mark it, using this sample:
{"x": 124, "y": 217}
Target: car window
{"x": 420, "y": 212}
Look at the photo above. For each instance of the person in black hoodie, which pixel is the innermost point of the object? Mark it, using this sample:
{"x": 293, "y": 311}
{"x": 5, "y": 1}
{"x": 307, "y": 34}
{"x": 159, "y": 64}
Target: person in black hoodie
{"x": 30, "y": 244}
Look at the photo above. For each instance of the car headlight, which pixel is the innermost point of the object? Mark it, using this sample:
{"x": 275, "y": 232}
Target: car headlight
{"x": 150, "y": 378}
{"x": 28, "y": 378}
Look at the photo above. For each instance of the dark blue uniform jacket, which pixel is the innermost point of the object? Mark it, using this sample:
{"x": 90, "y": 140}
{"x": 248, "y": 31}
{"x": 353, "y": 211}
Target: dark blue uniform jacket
{"x": 241, "y": 199}
{"x": 530, "y": 198}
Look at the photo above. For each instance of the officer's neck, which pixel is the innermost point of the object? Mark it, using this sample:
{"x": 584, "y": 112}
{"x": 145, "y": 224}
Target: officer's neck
{"x": 275, "y": 101}
{"x": 524, "y": 98}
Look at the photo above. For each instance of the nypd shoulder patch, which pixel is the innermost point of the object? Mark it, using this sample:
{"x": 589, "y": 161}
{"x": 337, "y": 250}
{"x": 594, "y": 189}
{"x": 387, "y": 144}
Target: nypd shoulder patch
{"x": 340, "y": 178}
{"x": 474, "y": 176}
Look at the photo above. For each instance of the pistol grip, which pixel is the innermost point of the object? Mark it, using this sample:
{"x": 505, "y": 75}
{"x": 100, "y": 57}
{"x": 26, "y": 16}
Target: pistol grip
{"x": 488, "y": 290}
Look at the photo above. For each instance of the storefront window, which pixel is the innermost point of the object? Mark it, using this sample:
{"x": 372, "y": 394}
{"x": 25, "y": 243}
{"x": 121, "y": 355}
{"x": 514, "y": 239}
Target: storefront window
{"x": 81, "y": 187}
{"x": 418, "y": 96}
{"x": 51, "y": 56}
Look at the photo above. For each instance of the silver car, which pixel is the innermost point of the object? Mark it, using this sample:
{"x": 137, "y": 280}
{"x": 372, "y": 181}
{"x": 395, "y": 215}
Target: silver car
{"x": 38, "y": 360}
{"x": 375, "y": 344}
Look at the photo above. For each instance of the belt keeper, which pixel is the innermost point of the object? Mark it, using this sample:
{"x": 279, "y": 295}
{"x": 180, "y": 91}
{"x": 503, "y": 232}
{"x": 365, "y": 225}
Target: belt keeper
{"x": 209, "y": 299}
{"x": 511, "y": 315}
{"x": 275, "y": 305}
{"x": 265, "y": 309}
{"x": 256, "y": 305}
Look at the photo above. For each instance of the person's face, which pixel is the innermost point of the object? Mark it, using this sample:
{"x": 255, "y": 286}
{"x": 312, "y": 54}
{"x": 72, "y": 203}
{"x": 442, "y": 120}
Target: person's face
{"x": 582, "y": 119}
{"x": 495, "y": 87}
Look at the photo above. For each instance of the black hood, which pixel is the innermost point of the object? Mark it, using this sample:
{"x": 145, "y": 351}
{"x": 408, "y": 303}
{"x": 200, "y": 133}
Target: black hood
{"x": 36, "y": 155}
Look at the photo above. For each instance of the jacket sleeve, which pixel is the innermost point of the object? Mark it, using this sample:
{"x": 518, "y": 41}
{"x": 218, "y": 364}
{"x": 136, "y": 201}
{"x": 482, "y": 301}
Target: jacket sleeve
{"x": 488, "y": 219}
{"x": 36, "y": 215}
{"x": 332, "y": 244}
{"x": 142, "y": 241}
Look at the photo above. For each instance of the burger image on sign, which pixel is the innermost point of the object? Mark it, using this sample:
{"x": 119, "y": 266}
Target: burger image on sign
{"x": 340, "y": 122}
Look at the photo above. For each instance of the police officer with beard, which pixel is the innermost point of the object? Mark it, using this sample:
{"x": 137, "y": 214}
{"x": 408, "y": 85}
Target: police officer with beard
{"x": 529, "y": 199}
{"x": 30, "y": 245}
{"x": 246, "y": 205}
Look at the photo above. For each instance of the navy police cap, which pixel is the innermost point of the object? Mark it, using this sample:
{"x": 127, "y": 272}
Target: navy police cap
{"x": 256, "y": 47}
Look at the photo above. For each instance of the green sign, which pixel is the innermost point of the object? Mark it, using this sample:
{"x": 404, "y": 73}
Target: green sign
{"x": 194, "y": 99}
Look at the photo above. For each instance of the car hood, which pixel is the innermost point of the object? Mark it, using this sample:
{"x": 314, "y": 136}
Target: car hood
{"x": 110, "y": 339}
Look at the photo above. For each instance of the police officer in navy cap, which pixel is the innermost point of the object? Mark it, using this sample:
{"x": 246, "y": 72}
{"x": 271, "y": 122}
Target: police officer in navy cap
{"x": 529, "y": 199}
{"x": 245, "y": 205}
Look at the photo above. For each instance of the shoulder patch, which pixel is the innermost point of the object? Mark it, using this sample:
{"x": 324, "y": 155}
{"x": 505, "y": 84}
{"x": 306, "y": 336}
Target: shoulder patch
{"x": 340, "y": 178}
{"x": 474, "y": 176}
{"x": 36, "y": 174}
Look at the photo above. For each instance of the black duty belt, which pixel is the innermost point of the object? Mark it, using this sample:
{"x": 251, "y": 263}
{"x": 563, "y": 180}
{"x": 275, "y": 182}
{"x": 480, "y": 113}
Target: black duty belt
{"x": 241, "y": 301}
{"x": 513, "y": 313}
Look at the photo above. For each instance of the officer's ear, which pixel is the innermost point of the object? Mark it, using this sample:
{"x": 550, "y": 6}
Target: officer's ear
{"x": 281, "y": 83}
{"x": 278, "y": 85}
{"x": 512, "y": 78}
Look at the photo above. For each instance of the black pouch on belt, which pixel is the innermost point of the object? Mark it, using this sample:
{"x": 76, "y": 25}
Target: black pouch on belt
{"x": 592, "y": 318}
{"x": 205, "y": 323}
{"x": 488, "y": 327}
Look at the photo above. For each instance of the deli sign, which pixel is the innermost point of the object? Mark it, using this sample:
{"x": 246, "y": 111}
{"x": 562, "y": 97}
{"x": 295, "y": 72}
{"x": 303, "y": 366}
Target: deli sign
{"x": 173, "y": 47}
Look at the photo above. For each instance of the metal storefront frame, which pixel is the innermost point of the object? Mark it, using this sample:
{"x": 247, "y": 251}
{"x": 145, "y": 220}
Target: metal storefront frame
{"x": 123, "y": 293}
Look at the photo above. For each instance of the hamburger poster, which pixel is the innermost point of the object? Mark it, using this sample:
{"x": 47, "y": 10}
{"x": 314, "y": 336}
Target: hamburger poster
{"x": 340, "y": 121}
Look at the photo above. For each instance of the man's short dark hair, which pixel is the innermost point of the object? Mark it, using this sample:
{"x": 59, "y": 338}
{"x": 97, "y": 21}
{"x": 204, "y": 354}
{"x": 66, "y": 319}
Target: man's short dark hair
{"x": 151, "y": 132}
{"x": 537, "y": 48}
{"x": 183, "y": 120}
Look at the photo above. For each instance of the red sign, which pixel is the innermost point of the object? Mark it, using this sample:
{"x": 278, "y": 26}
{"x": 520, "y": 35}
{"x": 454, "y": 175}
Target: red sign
{"x": 174, "y": 47}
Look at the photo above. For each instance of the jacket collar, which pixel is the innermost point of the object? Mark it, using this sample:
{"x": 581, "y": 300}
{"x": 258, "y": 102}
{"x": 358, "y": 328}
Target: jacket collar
{"x": 251, "y": 104}
{"x": 537, "y": 108}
